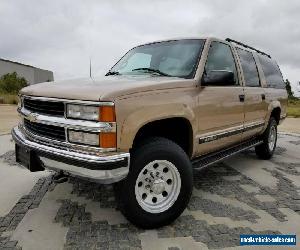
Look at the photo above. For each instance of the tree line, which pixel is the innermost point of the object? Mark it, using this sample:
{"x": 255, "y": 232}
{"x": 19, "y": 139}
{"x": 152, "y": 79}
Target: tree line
{"x": 11, "y": 83}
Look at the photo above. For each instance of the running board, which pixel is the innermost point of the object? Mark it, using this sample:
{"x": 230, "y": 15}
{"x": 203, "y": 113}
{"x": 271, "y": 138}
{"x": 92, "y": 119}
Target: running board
{"x": 212, "y": 158}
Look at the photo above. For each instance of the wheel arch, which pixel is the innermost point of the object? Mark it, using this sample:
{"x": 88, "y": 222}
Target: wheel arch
{"x": 176, "y": 129}
{"x": 274, "y": 110}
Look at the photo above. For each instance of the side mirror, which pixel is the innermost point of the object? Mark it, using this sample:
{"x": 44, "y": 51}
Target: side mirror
{"x": 218, "y": 78}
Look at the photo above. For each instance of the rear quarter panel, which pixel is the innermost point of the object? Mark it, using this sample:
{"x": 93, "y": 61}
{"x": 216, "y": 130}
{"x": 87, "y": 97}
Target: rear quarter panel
{"x": 276, "y": 98}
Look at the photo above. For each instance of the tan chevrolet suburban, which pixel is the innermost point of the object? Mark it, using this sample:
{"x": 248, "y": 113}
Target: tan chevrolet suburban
{"x": 164, "y": 109}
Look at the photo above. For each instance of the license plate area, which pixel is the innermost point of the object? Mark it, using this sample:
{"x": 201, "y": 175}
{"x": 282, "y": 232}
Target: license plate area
{"x": 28, "y": 159}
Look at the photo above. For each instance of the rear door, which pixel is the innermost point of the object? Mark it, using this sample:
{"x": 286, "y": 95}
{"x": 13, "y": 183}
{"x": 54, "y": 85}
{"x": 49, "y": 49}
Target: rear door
{"x": 274, "y": 85}
{"x": 254, "y": 100}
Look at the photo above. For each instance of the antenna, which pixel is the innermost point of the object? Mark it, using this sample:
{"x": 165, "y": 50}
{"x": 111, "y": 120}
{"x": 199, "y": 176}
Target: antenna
{"x": 90, "y": 67}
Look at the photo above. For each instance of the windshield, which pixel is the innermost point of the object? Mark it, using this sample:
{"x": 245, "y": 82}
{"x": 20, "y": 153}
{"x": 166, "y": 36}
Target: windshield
{"x": 171, "y": 58}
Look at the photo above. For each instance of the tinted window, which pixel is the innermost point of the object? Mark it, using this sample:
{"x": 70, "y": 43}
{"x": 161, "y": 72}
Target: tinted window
{"x": 272, "y": 72}
{"x": 220, "y": 58}
{"x": 249, "y": 68}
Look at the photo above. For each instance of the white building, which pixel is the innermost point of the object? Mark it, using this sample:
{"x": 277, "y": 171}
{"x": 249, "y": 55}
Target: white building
{"x": 31, "y": 74}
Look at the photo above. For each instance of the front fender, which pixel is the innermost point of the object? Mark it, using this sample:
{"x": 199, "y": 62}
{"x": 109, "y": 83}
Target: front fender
{"x": 135, "y": 116}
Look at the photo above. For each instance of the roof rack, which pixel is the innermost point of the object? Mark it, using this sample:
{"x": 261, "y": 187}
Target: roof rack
{"x": 246, "y": 46}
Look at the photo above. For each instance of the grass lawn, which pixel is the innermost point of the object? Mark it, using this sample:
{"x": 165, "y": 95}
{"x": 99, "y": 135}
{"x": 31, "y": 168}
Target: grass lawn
{"x": 8, "y": 98}
{"x": 293, "y": 109}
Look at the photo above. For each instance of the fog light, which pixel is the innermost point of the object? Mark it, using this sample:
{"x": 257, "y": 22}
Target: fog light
{"x": 83, "y": 137}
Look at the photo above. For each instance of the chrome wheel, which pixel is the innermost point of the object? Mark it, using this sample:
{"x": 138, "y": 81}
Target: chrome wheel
{"x": 157, "y": 186}
{"x": 272, "y": 138}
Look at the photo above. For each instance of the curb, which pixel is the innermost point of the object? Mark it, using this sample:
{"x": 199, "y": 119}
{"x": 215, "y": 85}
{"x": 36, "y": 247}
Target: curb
{"x": 5, "y": 134}
{"x": 289, "y": 133}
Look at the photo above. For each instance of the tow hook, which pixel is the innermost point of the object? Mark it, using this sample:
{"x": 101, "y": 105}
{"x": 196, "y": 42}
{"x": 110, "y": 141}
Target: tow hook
{"x": 60, "y": 177}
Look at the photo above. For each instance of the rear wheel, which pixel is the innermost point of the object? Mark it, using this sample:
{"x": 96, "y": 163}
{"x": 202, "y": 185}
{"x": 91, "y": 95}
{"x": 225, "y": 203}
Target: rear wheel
{"x": 159, "y": 184}
{"x": 266, "y": 149}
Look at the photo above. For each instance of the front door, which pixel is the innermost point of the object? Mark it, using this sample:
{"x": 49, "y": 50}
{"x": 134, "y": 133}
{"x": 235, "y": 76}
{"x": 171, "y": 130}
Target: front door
{"x": 255, "y": 105}
{"x": 220, "y": 111}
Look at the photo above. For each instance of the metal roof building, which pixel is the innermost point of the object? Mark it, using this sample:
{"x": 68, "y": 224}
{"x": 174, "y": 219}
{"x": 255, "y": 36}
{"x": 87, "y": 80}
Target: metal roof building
{"x": 31, "y": 74}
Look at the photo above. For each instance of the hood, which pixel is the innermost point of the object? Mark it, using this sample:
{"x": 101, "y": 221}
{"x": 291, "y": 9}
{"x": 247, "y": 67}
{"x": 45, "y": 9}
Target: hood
{"x": 106, "y": 88}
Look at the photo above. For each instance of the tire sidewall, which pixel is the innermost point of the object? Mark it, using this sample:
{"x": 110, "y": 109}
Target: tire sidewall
{"x": 139, "y": 160}
{"x": 272, "y": 123}
{"x": 263, "y": 150}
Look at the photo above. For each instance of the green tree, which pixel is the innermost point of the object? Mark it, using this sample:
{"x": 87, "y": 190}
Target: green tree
{"x": 289, "y": 88}
{"x": 11, "y": 83}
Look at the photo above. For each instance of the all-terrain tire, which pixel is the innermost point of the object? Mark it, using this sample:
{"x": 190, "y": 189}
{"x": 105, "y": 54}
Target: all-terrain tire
{"x": 158, "y": 186}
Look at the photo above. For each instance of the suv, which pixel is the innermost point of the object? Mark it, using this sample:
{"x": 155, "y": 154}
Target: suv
{"x": 164, "y": 109}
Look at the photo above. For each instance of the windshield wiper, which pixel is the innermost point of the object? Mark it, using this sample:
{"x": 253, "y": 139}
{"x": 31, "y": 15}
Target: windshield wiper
{"x": 112, "y": 73}
{"x": 152, "y": 70}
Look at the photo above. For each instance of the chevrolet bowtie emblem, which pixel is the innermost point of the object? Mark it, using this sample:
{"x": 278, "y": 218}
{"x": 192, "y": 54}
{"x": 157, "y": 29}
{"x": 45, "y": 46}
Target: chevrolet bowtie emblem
{"x": 32, "y": 117}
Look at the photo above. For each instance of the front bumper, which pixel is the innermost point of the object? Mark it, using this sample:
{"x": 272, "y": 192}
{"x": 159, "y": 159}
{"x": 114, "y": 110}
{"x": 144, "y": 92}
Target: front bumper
{"x": 107, "y": 168}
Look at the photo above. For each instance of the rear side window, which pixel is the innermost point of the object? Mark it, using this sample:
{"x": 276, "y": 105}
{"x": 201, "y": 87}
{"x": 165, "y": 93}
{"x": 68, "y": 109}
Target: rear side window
{"x": 272, "y": 72}
{"x": 249, "y": 68}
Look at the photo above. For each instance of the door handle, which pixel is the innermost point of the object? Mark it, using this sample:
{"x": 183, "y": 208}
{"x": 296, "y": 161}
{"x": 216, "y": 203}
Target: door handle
{"x": 242, "y": 98}
{"x": 263, "y": 96}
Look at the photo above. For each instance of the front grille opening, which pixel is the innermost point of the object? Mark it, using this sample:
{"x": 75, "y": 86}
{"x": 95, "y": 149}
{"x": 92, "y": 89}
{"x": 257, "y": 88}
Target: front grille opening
{"x": 48, "y": 131}
{"x": 44, "y": 107}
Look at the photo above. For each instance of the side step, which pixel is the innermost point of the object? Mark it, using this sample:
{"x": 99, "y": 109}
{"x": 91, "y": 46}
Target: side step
{"x": 212, "y": 158}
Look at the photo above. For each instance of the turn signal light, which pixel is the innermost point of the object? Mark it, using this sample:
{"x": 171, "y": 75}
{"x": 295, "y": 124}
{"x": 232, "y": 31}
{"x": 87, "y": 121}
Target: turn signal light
{"x": 107, "y": 114}
{"x": 108, "y": 140}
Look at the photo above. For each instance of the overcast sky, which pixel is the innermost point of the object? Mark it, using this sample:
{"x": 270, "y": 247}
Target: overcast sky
{"x": 62, "y": 35}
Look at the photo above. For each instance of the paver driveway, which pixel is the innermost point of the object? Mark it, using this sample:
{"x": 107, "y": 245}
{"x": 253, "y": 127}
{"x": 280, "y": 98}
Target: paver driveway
{"x": 238, "y": 196}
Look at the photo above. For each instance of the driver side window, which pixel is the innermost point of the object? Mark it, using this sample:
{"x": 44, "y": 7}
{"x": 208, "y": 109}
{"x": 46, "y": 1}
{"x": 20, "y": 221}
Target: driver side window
{"x": 220, "y": 57}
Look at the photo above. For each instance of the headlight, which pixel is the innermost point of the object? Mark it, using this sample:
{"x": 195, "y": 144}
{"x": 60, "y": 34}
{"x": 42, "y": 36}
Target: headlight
{"x": 93, "y": 113}
{"x": 83, "y": 112}
{"x": 83, "y": 137}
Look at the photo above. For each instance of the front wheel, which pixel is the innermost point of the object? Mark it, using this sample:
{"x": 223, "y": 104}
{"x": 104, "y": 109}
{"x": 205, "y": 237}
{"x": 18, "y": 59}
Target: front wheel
{"x": 159, "y": 184}
{"x": 266, "y": 149}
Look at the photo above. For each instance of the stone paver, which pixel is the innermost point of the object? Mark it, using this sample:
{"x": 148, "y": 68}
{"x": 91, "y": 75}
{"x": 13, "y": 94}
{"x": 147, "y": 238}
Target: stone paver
{"x": 242, "y": 195}
{"x": 250, "y": 188}
{"x": 16, "y": 181}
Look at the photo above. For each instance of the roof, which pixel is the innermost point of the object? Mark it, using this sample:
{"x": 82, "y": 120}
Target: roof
{"x": 175, "y": 39}
{"x": 234, "y": 43}
{"x": 22, "y": 64}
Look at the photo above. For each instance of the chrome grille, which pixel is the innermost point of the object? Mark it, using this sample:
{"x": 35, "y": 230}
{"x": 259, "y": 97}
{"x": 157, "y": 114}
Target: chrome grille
{"x": 44, "y": 107}
{"x": 49, "y": 131}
